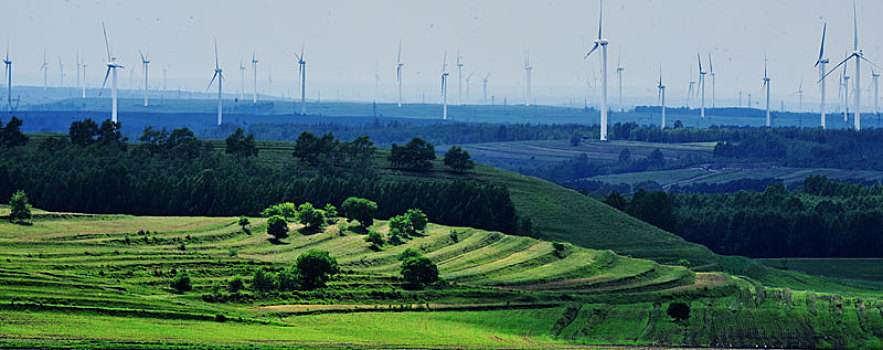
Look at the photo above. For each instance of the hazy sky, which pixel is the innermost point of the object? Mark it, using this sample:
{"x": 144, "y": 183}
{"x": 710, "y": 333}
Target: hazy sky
{"x": 348, "y": 41}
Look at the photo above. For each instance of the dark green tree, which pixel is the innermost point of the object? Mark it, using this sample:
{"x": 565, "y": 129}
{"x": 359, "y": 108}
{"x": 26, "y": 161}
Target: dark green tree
{"x": 241, "y": 145}
{"x": 310, "y": 217}
{"x": 679, "y": 311}
{"x": 263, "y": 281}
{"x": 375, "y": 238}
{"x": 359, "y": 209}
{"x": 20, "y": 209}
{"x": 11, "y": 135}
{"x": 244, "y": 222}
{"x": 83, "y": 132}
{"x": 616, "y": 200}
{"x": 277, "y": 227}
{"x": 418, "y": 219}
{"x": 181, "y": 282}
{"x": 110, "y": 134}
{"x": 458, "y": 159}
{"x": 416, "y": 154}
{"x": 315, "y": 268}
{"x": 419, "y": 271}
{"x": 236, "y": 284}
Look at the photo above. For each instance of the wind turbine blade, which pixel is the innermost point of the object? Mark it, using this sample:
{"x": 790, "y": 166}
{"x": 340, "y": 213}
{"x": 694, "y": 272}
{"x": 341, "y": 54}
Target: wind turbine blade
{"x": 211, "y": 82}
{"x": 142, "y": 55}
{"x": 710, "y": 66}
{"x": 592, "y": 50}
{"x": 822, "y": 47}
{"x": 399, "y": 59}
{"x": 698, "y": 58}
{"x": 854, "y": 27}
{"x": 302, "y": 45}
{"x": 217, "y": 64}
{"x": 106, "y": 44}
{"x": 105, "y": 81}
{"x": 866, "y": 60}
{"x": 835, "y": 68}
{"x": 600, "y": 19}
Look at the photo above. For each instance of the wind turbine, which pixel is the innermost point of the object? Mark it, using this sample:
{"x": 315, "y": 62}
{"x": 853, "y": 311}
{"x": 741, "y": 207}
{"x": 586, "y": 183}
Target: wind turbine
{"x": 84, "y": 76}
{"x": 219, "y": 73}
{"x": 858, "y": 56}
{"x": 484, "y": 83}
{"x": 844, "y": 82}
{"x": 690, "y": 90}
{"x": 45, "y": 69}
{"x": 254, "y": 67}
{"x": 242, "y": 80}
{"x": 527, "y": 70}
{"x": 399, "y": 67}
{"x": 459, "y": 79}
{"x": 619, "y": 70}
{"x": 876, "y": 77}
{"x": 701, "y": 87}
{"x": 468, "y": 78}
{"x": 60, "y": 72}
{"x": 78, "y": 68}
{"x": 7, "y": 63}
{"x": 821, "y": 62}
{"x": 444, "y": 87}
{"x": 661, "y": 88}
{"x": 800, "y": 97}
{"x": 766, "y": 85}
{"x": 112, "y": 66}
{"x": 602, "y": 42}
{"x": 711, "y": 73}
{"x": 302, "y": 74}
{"x": 145, "y": 60}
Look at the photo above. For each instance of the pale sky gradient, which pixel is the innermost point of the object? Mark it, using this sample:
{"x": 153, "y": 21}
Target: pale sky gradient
{"x": 348, "y": 41}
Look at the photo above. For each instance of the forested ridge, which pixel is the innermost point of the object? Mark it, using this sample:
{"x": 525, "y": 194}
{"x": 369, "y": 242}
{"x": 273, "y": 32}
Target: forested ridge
{"x": 95, "y": 170}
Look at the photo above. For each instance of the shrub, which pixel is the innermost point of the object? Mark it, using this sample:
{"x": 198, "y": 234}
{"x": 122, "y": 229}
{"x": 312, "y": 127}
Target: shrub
{"x": 418, "y": 219}
{"x": 375, "y": 238}
{"x": 287, "y": 210}
{"x": 315, "y": 267}
{"x": 20, "y": 209}
{"x": 277, "y": 227}
{"x": 263, "y": 281}
{"x": 419, "y": 271}
{"x": 181, "y": 282}
{"x": 360, "y": 209}
{"x": 236, "y": 284}
{"x": 288, "y": 280}
{"x": 309, "y": 216}
{"x": 243, "y": 222}
{"x": 330, "y": 212}
{"x": 679, "y": 311}
{"x": 458, "y": 159}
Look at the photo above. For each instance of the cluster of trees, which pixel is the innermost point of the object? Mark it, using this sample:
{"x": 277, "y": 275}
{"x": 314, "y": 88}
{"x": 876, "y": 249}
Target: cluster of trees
{"x": 416, "y": 154}
{"x": 11, "y": 135}
{"x": 401, "y": 228}
{"x": 654, "y": 207}
{"x": 176, "y": 174}
{"x": 306, "y": 214}
{"x": 821, "y": 218}
{"x": 327, "y": 153}
{"x": 582, "y": 167}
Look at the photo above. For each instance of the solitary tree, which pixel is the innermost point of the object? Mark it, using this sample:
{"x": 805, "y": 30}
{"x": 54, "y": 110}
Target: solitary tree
{"x": 277, "y": 227}
{"x": 375, "y": 239}
{"x": 310, "y": 217}
{"x": 417, "y": 219}
{"x": 679, "y": 311}
{"x": 458, "y": 159}
{"x": 181, "y": 282}
{"x": 20, "y": 209}
{"x": 243, "y": 222}
{"x": 315, "y": 268}
{"x": 359, "y": 209}
{"x": 419, "y": 271}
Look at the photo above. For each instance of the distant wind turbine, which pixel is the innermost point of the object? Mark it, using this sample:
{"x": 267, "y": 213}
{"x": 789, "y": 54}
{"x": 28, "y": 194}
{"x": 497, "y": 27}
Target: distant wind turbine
{"x": 701, "y": 87}
{"x": 45, "y": 68}
{"x": 254, "y": 67}
{"x": 112, "y": 66}
{"x": 242, "y": 80}
{"x": 619, "y": 70}
{"x": 444, "y": 87}
{"x": 876, "y": 77}
{"x": 766, "y": 85}
{"x": 399, "y": 67}
{"x": 711, "y": 73}
{"x": 661, "y": 88}
{"x": 527, "y": 70}
{"x": 690, "y": 90}
{"x": 468, "y": 78}
{"x": 145, "y": 60}
{"x": 60, "y": 72}
{"x": 84, "y": 76}
{"x": 821, "y": 62}
{"x": 459, "y": 79}
{"x": 78, "y": 68}
{"x": 219, "y": 74}
{"x": 602, "y": 42}
{"x": 302, "y": 74}
{"x": 7, "y": 64}
{"x": 484, "y": 84}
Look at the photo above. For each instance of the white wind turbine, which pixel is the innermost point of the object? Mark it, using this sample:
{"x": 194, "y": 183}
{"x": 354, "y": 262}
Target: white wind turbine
{"x": 242, "y": 80}
{"x": 602, "y": 42}
{"x": 619, "y": 70}
{"x": 661, "y": 88}
{"x": 711, "y": 73}
{"x": 83, "y": 64}
{"x": 145, "y": 60}
{"x": 78, "y": 68}
{"x": 527, "y": 70}
{"x": 7, "y": 64}
{"x": 876, "y": 77}
{"x": 444, "y": 87}
{"x": 821, "y": 62}
{"x": 399, "y": 67}
{"x": 302, "y": 74}
{"x": 219, "y": 74}
{"x": 112, "y": 66}
{"x": 254, "y": 67}
{"x": 468, "y": 78}
{"x": 690, "y": 89}
{"x": 60, "y": 72}
{"x": 859, "y": 57}
{"x": 459, "y": 79}
{"x": 766, "y": 85}
{"x": 484, "y": 84}
{"x": 45, "y": 68}
{"x": 701, "y": 87}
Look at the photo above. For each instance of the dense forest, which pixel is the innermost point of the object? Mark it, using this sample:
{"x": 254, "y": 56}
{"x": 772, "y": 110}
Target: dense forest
{"x": 819, "y": 218}
{"x": 95, "y": 170}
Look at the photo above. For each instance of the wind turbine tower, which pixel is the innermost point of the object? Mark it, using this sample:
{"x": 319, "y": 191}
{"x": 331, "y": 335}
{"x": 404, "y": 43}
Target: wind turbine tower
{"x": 112, "y": 66}
{"x": 242, "y": 80}
{"x": 701, "y": 87}
{"x": 84, "y": 76}
{"x": 527, "y": 70}
{"x": 484, "y": 83}
{"x": 459, "y": 79}
{"x": 60, "y": 72}
{"x": 821, "y": 62}
{"x": 7, "y": 63}
{"x": 254, "y": 74}
{"x": 444, "y": 87}
{"x": 602, "y": 42}
{"x": 661, "y": 88}
{"x": 219, "y": 74}
{"x": 619, "y": 70}
{"x": 145, "y": 60}
{"x": 302, "y": 74}
{"x": 711, "y": 73}
{"x": 45, "y": 68}
{"x": 468, "y": 78}
{"x": 766, "y": 85}
{"x": 876, "y": 77}
{"x": 399, "y": 67}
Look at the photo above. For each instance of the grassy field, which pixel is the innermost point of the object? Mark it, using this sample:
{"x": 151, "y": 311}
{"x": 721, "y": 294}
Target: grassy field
{"x": 79, "y": 280}
{"x": 686, "y": 177}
